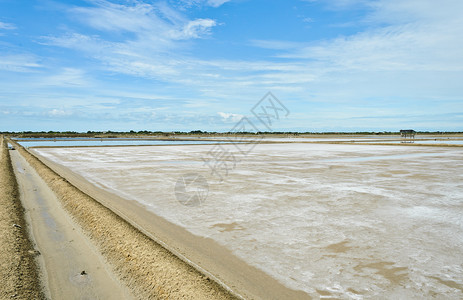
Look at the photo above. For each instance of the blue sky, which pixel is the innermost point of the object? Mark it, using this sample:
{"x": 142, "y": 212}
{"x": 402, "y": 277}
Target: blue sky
{"x": 339, "y": 65}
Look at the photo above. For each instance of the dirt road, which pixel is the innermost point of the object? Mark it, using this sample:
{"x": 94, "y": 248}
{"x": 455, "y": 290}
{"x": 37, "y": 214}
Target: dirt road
{"x": 18, "y": 270}
{"x": 72, "y": 266}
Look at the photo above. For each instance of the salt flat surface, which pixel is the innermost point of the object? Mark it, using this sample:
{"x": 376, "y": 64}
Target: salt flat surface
{"x": 420, "y": 139}
{"x": 348, "y": 221}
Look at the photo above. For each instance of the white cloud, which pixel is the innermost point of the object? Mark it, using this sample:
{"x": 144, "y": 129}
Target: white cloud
{"x": 217, "y": 3}
{"x": 7, "y": 26}
{"x": 410, "y": 11}
{"x": 195, "y": 29}
{"x": 58, "y": 113}
{"x": 420, "y": 35}
{"x": 108, "y": 16}
{"x": 308, "y": 20}
{"x": 19, "y": 63}
{"x": 230, "y": 117}
{"x": 158, "y": 33}
{"x": 68, "y": 77}
{"x": 155, "y": 22}
{"x": 213, "y": 3}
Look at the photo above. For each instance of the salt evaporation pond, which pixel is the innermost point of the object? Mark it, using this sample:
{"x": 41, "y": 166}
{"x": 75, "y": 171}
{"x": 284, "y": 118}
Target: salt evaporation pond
{"x": 345, "y": 221}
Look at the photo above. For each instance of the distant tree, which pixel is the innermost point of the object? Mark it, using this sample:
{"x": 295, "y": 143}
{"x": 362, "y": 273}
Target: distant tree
{"x": 195, "y": 132}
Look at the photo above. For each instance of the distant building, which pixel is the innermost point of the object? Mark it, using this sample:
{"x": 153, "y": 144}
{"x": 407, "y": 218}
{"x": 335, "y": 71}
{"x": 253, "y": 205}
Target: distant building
{"x": 407, "y": 133}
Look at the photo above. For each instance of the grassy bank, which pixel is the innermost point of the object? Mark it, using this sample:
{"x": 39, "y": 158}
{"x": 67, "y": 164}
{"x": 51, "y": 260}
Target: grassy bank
{"x": 18, "y": 269}
{"x": 146, "y": 267}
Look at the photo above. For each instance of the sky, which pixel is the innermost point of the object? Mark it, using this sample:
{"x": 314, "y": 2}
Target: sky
{"x": 335, "y": 65}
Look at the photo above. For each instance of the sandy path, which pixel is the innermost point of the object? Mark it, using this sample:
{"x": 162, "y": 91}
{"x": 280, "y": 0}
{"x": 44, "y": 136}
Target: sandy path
{"x": 65, "y": 251}
{"x": 18, "y": 271}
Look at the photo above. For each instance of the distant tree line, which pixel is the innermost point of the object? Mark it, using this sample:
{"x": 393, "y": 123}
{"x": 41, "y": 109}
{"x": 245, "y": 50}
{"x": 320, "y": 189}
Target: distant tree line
{"x": 132, "y": 133}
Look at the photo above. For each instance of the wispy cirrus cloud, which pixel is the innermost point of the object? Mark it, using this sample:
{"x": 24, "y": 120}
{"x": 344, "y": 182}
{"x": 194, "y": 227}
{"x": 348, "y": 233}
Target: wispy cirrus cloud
{"x": 7, "y": 26}
{"x": 195, "y": 29}
{"x": 19, "y": 63}
{"x": 401, "y": 54}
{"x": 411, "y": 35}
{"x": 426, "y": 42}
{"x": 190, "y": 3}
{"x": 157, "y": 33}
{"x": 217, "y": 3}
{"x": 157, "y": 22}
{"x": 67, "y": 77}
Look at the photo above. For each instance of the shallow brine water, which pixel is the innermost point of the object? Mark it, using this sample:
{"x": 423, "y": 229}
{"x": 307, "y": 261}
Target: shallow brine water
{"x": 106, "y": 142}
